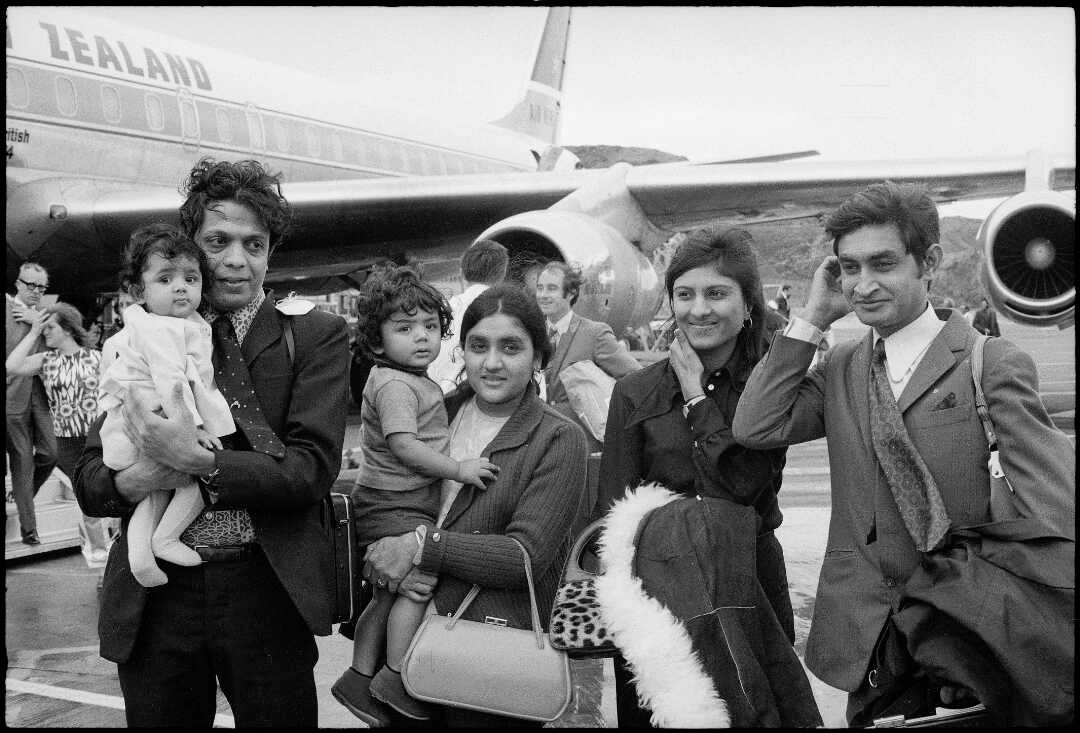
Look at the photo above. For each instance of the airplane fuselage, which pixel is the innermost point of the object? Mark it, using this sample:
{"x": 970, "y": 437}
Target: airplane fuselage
{"x": 90, "y": 101}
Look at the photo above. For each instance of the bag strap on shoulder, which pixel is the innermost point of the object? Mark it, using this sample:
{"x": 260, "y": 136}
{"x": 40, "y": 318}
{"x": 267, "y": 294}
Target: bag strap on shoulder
{"x": 983, "y": 410}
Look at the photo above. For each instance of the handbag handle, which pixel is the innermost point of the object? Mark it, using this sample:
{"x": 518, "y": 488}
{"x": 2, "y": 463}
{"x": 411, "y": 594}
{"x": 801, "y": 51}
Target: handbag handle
{"x": 475, "y": 590}
{"x": 574, "y": 562}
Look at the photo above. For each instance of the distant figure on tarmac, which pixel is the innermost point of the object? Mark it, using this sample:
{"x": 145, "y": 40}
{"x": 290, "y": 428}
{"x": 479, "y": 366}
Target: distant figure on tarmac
{"x": 782, "y": 305}
{"x": 244, "y": 620}
{"x": 985, "y": 320}
{"x": 908, "y": 458}
{"x": 68, "y": 368}
{"x": 31, "y": 445}
{"x": 483, "y": 264}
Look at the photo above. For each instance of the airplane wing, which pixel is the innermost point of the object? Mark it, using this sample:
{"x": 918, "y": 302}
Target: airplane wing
{"x": 614, "y": 218}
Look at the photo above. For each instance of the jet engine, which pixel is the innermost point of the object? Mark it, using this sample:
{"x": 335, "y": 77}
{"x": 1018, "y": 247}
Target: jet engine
{"x": 620, "y": 285}
{"x": 1029, "y": 243}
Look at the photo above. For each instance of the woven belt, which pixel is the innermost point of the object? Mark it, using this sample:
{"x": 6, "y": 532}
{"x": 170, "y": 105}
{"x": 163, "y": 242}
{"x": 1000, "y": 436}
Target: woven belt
{"x": 224, "y": 553}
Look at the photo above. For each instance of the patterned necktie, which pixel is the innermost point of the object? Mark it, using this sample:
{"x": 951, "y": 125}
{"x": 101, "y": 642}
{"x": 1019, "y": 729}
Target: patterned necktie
{"x": 553, "y": 337}
{"x": 913, "y": 488}
{"x": 231, "y": 374}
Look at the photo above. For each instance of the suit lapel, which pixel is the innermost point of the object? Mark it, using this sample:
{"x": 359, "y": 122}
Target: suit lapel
{"x": 563, "y": 349}
{"x": 944, "y": 352}
{"x": 858, "y": 377}
{"x": 265, "y": 330}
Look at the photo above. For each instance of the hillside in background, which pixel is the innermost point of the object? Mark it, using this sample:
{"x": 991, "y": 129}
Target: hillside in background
{"x": 605, "y": 156}
{"x": 793, "y": 250}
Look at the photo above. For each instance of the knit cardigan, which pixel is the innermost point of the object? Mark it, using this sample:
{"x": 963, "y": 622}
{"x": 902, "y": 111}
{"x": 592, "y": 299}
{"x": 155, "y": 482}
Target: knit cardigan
{"x": 536, "y": 499}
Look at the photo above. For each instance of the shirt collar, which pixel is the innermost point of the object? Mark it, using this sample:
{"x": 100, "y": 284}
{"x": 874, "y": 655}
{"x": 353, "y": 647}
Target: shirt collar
{"x": 903, "y": 347}
{"x": 563, "y": 323}
{"x": 242, "y": 317}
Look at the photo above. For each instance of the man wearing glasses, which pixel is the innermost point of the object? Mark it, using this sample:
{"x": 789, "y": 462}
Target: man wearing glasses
{"x": 31, "y": 446}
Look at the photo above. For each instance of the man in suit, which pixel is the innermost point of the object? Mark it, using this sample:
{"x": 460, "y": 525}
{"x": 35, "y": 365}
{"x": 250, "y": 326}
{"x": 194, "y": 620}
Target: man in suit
{"x": 245, "y": 618}
{"x": 31, "y": 446}
{"x": 575, "y": 338}
{"x": 885, "y": 241}
{"x": 985, "y": 320}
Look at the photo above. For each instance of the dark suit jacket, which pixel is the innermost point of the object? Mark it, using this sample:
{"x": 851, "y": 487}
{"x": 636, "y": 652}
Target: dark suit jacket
{"x": 305, "y": 402}
{"x": 585, "y": 339}
{"x": 869, "y": 554}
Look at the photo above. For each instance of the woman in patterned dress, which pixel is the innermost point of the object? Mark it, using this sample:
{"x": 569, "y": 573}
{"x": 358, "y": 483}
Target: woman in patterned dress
{"x": 69, "y": 370}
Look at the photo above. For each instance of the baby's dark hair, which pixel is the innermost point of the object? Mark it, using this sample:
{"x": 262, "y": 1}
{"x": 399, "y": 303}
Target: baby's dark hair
{"x": 157, "y": 239}
{"x": 398, "y": 288}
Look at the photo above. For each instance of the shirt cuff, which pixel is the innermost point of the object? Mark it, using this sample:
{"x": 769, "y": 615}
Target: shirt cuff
{"x": 802, "y": 330}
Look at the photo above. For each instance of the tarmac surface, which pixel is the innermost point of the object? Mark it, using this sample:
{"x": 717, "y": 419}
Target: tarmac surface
{"x": 55, "y": 677}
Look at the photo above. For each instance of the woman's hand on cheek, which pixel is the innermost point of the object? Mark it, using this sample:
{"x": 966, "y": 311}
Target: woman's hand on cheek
{"x": 687, "y": 365}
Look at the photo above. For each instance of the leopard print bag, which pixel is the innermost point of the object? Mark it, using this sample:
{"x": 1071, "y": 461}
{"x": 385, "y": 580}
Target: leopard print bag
{"x": 576, "y": 626}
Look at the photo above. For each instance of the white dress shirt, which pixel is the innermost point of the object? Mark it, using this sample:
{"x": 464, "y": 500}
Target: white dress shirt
{"x": 904, "y": 349}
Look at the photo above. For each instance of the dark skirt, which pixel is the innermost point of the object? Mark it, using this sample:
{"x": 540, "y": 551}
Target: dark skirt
{"x": 380, "y": 513}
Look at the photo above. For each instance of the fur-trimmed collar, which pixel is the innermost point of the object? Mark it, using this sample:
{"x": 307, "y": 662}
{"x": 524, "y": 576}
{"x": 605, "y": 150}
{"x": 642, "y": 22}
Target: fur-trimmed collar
{"x": 670, "y": 679}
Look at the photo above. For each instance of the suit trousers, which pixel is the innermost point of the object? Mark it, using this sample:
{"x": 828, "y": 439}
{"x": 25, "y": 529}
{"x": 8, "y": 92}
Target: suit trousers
{"x": 31, "y": 449}
{"x": 232, "y": 622}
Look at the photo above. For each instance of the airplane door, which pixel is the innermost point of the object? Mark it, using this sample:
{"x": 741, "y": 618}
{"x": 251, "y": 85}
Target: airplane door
{"x": 189, "y": 119}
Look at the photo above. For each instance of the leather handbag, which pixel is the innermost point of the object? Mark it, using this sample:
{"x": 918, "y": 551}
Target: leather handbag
{"x": 488, "y": 666}
{"x": 576, "y": 625}
{"x": 338, "y": 525}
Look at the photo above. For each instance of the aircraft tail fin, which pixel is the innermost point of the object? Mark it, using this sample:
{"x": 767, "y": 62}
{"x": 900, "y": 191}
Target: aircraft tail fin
{"x": 538, "y": 113}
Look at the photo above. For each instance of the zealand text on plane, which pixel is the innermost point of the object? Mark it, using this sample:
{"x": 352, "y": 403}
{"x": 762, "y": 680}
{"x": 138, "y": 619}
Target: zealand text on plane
{"x": 68, "y": 44}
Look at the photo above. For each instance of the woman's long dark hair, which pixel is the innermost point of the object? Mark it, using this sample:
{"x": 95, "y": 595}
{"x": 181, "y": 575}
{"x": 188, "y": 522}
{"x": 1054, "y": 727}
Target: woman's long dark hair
{"x": 731, "y": 253}
{"x": 512, "y": 300}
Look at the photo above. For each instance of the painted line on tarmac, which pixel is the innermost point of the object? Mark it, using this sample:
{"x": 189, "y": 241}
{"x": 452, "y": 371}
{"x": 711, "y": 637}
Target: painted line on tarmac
{"x": 89, "y": 698}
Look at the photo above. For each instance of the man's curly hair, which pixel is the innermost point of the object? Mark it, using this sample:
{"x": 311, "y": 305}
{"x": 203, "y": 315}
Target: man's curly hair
{"x": 246, "y": 182}
{"x": 398, "y": 288}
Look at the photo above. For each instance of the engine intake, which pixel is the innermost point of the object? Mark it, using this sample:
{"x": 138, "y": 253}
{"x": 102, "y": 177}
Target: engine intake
{"x": 1029, "y": 246}
{"x": 620, "y": 285}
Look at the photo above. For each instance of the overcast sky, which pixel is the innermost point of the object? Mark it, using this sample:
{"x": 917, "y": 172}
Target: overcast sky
{"x": 854, "y": 83}
{"x": 700, "y": 82}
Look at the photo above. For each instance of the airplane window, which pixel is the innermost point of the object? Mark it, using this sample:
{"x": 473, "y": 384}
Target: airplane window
{"x": 453, "y": 165}
{"x": 18, "y": 93}
{"x": 189, "y": 121}
{"x": 65, "y": 96}
{"x": 372, "y": 152}
{"x": 255, "y": 128}
{"x": 416, "y": 163}
{"x": 433, "y": 163}
{"x": 155, "y": 115}
{"x": 224, "y": 126}
{"x": 110, "y": 103}
{"x": 312, "y": 141}
{"x": 336, "y": 147}
{"x": 281, "y": 135}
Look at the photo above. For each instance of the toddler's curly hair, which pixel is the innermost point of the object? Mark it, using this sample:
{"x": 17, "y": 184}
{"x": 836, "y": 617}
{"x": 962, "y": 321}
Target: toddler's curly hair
{"x": 398, "y": 288}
